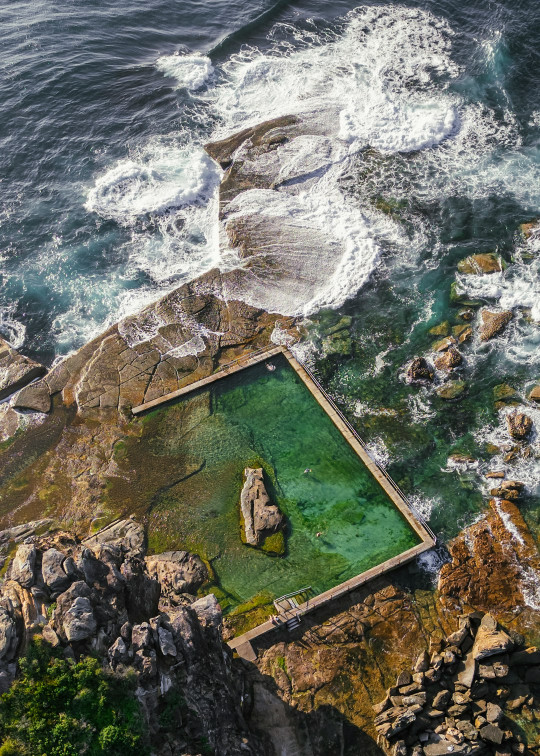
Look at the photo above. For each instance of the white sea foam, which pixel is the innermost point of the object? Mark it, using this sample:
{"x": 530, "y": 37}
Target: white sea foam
{"x": 190, "y": 71}
{"x": 11, "y": 329}
{"x": 517, "y": 286}
{"x": 158, "y": 179}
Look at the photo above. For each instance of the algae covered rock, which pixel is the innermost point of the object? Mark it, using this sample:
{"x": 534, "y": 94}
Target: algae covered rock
{"x": 443, "y": 329}
{"x": 452, "y": 390}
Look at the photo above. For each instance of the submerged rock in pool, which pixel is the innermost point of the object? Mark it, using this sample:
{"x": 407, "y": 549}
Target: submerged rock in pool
{"x": 262, "y": 520}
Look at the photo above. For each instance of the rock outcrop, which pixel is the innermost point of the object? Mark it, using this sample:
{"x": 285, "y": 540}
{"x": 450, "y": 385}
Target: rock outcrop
{"x": 419, "y": 371}
{"x": 16, "y": 370}
{"x": 261, "y": 517}
{"x": 449, "y": 360}
{"x": 495, "y": 563}
{"x": 461, "y": 697}
{"x": 493, "y": 323}
{"x": 519, "y": 425}
{"x": 482, "y": 263}
{"x": 80, "y": 599}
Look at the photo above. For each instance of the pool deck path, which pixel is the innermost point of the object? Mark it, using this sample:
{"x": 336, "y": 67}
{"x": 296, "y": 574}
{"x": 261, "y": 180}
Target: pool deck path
{"x": 242, "y": 643}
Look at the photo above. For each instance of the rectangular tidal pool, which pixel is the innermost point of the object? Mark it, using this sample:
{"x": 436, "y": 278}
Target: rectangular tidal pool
{"x": 340, "y": 521}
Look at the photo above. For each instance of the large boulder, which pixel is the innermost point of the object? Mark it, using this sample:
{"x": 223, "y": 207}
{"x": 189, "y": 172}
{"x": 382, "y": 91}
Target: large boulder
{"x": 23, "y": 565}
{"x": 519, "y": 424}
{"x": 419, "y": 371}
{"x": 493, "y": 323}
{"x": 73, "y": 617}
{"x": 490, "y": 640}
{"x": 261, "y": 517}
{"x": 35, "y": 397}
{"x": 484, "y": 262}
{"x": 16, "y": 370}
{"x": 52, "y": 570}
{"x": 177, "y": 572}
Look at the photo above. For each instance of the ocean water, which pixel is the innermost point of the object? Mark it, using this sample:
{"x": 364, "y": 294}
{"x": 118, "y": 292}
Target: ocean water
{"x": 107, "y": 199}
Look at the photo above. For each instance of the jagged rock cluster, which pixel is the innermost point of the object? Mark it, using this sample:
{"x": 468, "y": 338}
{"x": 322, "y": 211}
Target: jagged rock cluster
{"x": 104, "y": 597}
{"x": 456, "y": 699}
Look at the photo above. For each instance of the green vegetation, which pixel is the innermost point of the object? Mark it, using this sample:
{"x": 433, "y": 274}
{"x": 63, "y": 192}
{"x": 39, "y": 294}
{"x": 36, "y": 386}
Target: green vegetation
{"x": 59, "y": 707}
{"x": 274, "y": 544}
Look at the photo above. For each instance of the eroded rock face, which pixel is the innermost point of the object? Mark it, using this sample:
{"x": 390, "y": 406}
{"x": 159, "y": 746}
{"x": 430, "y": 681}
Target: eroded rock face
{"x": 261, "y": 517}
{"x": 16, "y": 370}
{"x": 493, "y": 323}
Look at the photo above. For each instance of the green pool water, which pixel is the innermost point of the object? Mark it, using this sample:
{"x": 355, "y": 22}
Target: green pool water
{"x": 269, "y": 419}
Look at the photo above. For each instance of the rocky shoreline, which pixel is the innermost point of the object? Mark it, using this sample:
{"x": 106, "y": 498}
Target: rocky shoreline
{"x": 66, "y": 435}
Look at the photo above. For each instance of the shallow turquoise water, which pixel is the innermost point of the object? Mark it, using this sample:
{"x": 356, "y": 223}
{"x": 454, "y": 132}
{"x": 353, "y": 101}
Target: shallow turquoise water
{"x": 270, "y": 419}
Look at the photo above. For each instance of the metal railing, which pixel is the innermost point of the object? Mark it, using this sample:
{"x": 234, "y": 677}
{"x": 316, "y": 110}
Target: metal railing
{"x": 365, "y": 448}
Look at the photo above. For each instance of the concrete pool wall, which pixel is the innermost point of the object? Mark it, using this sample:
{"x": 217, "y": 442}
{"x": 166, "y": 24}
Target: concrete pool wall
{"x": 242, "y": 643}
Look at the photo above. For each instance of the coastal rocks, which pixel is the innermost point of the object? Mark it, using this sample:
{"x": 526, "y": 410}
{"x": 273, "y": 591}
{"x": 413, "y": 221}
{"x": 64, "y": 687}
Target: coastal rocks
{"x": 493, "y": 323}
{"x": 180, "y": 650}
{"x": 519, "y": 425}
{"x": 22, "y": 567}
{"x": 177, "y": 572}
{"x": 480, "y": 264}
{"x": 16, "y": 370}
{"x": 456, "y": 709}
{"x": 35, "y": 397}
{"x": 419, "y": 371}
{"x": 261, "y": 518}
{"x": 449, "y": 360}
{"x": 452, "y": 390}
{"x": 493, "y": 563}
{"x": 534, "y": 394}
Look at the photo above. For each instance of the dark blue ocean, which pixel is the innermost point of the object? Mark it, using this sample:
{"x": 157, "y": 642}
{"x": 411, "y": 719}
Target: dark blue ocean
{"x": 108, "y": 200}
{"x": 100, "y": 133}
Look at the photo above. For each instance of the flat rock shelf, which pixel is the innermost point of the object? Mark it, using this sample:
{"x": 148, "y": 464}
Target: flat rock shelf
{"x": 346, "y": 520}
